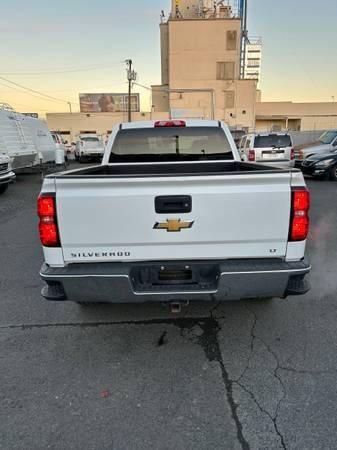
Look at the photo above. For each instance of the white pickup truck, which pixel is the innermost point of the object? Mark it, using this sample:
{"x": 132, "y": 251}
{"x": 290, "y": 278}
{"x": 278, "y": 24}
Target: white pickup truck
{"x": 173, "y": 215}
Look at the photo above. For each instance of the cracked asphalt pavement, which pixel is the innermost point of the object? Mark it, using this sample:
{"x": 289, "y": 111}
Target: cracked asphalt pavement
{"x": 243, "y": 375}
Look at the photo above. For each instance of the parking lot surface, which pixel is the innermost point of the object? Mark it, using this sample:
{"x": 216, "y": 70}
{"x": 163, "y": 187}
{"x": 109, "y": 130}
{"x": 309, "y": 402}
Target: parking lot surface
{"x": 244, "y": 375}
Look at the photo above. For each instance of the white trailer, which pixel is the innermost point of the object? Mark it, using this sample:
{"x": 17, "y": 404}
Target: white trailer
{"x": 26, "y": 140}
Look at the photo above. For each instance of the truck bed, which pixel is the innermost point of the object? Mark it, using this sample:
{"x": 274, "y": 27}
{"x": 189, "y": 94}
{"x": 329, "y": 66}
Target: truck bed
{"x": 170, "y": 169}
{"x": 118, "y": 212}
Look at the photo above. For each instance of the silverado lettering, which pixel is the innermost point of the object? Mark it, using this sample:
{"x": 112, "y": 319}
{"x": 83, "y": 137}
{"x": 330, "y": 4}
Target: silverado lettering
{"x": 101, "y": 255}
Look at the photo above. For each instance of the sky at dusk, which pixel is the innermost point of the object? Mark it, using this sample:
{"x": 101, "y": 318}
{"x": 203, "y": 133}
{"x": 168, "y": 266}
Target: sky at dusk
{"x": 65, "y": 47}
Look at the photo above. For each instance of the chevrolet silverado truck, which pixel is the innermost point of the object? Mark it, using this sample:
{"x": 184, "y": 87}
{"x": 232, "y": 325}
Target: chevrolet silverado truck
{"x": 6, "y": 174}
{"x": 172, "y": 215}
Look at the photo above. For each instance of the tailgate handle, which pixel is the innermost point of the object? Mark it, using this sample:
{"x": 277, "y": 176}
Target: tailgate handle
{"x": 173, "y": 204}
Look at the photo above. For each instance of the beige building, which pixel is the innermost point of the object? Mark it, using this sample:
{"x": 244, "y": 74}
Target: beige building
{"x": 200, "y": 62}
{"x": 71, "y": 125}
{"x": 282, "y": 116}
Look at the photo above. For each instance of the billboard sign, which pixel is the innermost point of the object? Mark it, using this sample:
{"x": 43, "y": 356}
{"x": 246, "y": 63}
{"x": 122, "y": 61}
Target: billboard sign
{"x": 96, "y": 103}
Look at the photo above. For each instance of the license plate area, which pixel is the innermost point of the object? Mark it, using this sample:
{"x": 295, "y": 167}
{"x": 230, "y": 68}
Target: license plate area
{"x": 175, "y": 277}
{"x": 273, "y": 155}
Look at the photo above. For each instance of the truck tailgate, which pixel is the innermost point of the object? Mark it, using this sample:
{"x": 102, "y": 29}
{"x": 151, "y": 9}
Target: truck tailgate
{"x": 232, "y": 216}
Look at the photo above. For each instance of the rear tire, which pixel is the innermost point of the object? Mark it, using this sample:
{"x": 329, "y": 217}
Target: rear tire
{"x": 3, "y": 188}
{"x": 333, "y": 173}
{"x": 81, "y": 159}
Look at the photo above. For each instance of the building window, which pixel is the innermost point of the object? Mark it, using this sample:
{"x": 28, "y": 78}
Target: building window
{"x": 232, "y": 38}
{"x": 229, "y": 99}
{"x": 87, "y": 132}
{"x": 225, "y": 70}
{"x": 253, "y": 62}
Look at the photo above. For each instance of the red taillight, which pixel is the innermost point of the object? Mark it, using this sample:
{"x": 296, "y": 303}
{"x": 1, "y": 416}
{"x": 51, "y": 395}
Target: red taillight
{"x": 300, "y": 205}
{"x": 251, "y": 155}
{"x": 292, "y": 154}
{"x": 46, "y": 207}
{"x": 170, "y": 123}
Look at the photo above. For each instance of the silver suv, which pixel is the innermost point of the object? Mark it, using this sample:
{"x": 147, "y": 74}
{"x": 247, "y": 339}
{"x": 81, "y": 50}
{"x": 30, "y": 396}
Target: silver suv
{"x": 275, "y": 149}
{"x": 325, "y": 144}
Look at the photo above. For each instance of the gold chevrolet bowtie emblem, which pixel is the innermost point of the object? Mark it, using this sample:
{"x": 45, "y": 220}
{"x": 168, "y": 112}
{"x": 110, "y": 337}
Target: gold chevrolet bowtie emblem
{"x": 173, "y": 225}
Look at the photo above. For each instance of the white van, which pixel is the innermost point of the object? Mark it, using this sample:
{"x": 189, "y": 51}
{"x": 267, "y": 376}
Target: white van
{"x": 26, "y": 140}
{"x": 274, "y": 149}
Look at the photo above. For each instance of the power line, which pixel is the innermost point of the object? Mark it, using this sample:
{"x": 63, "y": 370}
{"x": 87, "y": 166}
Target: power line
{"x": 57, "y": 71}
{"x": 23, "y": 92}
{"x": 88, "y": 89}
{"x": 49, "y": 97}
{"x": 28, "y": 107}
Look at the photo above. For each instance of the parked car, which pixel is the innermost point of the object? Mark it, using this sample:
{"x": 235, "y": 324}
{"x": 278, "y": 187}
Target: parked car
{"x": 6, "y": 174}
{"x": 89, "y": 147}
{"x": 275, "y": 149}
{"x": 321, "y": 166}
{"x": 172, "y": 215}
{"x": 326, "y": 143}
{"x": 60, "y": 143}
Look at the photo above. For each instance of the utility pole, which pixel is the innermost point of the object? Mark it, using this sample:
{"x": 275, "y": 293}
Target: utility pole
{"x": 69, "y": 104}
{"x": 132, "y": 76}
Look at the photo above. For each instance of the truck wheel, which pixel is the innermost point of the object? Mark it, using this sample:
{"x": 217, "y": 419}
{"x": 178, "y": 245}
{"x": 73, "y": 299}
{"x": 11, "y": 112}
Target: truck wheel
{"x": 333, "y": 173}
{"x": 3, "y": 188}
